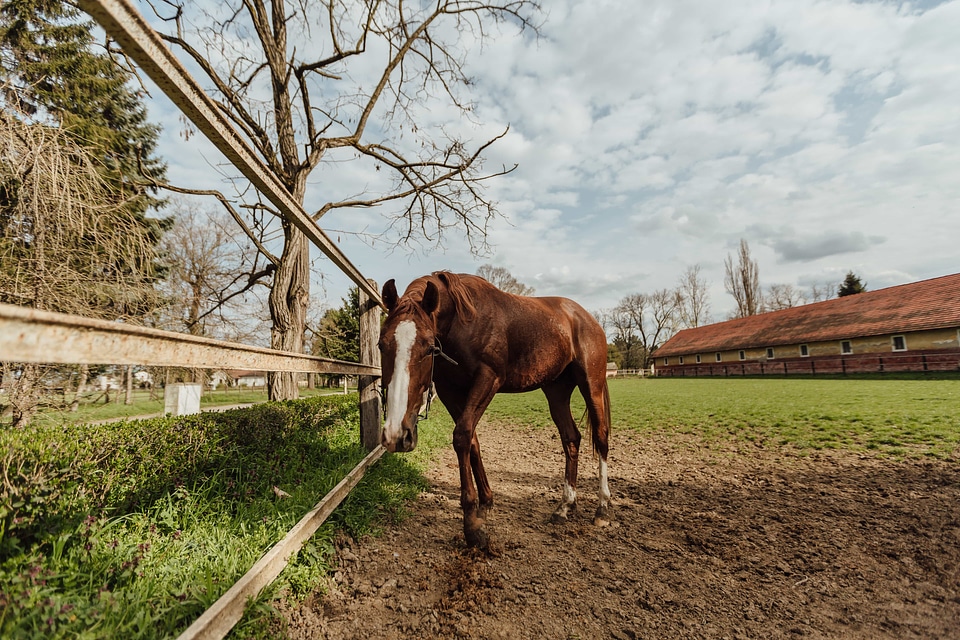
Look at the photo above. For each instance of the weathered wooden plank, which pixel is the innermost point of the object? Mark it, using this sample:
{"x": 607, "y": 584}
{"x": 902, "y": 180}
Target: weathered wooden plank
{"x": 367, "y": 385}
{"x": 217, "y": 621}
{"x": 28, "y": 335}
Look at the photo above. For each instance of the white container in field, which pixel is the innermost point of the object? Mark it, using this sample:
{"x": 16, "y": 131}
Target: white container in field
{"x": 181, "y": 399}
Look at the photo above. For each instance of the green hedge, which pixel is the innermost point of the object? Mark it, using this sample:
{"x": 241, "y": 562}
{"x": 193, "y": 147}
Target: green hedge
{"x": 132, "y": 529}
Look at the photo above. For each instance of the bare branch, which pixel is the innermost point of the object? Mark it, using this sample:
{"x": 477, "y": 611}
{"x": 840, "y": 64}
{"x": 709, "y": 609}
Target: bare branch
{"x": 153, "y": 182}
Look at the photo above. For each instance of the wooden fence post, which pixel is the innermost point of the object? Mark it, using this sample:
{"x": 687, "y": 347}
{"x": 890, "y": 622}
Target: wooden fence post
{"x": 367, "y": 385}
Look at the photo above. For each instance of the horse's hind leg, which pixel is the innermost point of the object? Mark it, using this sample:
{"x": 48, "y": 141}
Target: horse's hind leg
{"x": 597, "y": 398}
{"x": 558, "y": 397}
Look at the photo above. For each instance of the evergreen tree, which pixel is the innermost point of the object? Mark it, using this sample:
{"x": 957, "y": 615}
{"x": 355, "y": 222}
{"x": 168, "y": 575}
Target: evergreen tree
{"x": 851, "y": 285}
{"x": 339, "y": 334}
{"x": 53, "y": 71}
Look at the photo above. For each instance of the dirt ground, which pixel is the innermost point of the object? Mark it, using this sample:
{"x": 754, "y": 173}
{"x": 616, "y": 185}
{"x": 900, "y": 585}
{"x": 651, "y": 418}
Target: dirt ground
{"x": 730, "y": 541}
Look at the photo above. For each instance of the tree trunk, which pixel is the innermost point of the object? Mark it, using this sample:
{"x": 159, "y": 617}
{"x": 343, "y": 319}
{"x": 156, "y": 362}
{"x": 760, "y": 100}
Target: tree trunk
{"x": 128, "y": 398}
{"x": 81, "y": 387}
{"x": 288, "y": 309}
{"x": 24, "y": 395}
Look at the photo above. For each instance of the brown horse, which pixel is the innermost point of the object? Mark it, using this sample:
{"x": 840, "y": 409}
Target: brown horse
{"x": 474, "y": 341}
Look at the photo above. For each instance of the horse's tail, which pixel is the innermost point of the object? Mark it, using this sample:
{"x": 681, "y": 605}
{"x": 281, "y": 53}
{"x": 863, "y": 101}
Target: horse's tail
{"x": 600, "y": 423}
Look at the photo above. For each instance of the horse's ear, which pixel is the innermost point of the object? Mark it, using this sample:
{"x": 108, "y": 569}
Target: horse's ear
{"x": 431, "y": 298}
{"x": 389, "y": 294}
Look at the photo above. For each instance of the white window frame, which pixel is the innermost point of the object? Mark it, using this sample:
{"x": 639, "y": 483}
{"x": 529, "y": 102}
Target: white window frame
{"x": 771, "y": 354}
{"x": 893, "y": 342}
{"x": 666, "y": 361}
{"x": 699, "y": 359}
{"x": 743, "y": 354}
{"x": 681, "y": 359}
{"x": 719, "y": 357}
{"x": 804, "y": 351}
{"x": 849, "y": 349}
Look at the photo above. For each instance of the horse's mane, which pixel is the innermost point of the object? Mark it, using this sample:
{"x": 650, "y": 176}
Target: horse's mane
{"x": 460, "y": 295}
{"x": 462, "y": 300}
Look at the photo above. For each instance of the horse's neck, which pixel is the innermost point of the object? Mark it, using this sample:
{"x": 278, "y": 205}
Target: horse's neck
{"x": 449, "y": 314}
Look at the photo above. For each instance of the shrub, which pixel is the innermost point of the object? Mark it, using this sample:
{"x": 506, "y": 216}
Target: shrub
{"x": 132, "y": 529}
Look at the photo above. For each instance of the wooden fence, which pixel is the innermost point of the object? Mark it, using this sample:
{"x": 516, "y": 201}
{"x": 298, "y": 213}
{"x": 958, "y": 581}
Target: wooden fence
{"x": 926, "y": 361}
{"x": 32, "y": 336}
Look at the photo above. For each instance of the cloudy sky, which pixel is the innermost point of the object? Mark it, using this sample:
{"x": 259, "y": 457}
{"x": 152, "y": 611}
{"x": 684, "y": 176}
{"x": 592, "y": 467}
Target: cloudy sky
{"x": 654, "y": 135}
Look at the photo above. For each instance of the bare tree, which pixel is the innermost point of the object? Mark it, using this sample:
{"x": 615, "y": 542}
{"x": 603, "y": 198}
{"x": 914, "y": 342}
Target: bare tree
{"x": 212, "y": 272}
{"x": 818, "y": 292}
{"x": 626, "y": 339}
{"x": 782, "y": 296}
{"x": 66, "y": 243}
{"x": 742, "y": 281}
{"x": 504, "y": 280}
{"x": 692, "y": 304}
{"x": 339, "y": 81}
{"x": 651, "y": 317}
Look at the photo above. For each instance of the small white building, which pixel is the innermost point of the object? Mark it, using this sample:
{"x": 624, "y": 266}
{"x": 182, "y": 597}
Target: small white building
{"x": 219, "y": 377}
{"x": 248, "y": 378}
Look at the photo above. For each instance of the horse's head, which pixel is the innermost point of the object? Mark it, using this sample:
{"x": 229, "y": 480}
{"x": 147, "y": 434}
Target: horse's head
{"x": 407, "y": 342}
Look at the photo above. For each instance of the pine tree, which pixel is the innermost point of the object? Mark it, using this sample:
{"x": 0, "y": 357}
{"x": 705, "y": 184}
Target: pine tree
{"x": 851, "y": 285}
{"x": 339, "y": 333}
{"x": 53, "y": 72}
{"x": 75, "y": 236}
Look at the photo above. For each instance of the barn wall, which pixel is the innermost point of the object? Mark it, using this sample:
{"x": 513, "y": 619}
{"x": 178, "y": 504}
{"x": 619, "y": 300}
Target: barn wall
{"x": 935, "y": 350}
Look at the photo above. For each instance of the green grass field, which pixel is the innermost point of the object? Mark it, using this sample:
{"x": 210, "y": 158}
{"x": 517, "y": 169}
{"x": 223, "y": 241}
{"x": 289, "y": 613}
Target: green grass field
{"x": 883, "y": 415}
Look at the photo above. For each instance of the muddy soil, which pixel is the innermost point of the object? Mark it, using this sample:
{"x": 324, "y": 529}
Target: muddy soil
{"x": 725, "y": 541}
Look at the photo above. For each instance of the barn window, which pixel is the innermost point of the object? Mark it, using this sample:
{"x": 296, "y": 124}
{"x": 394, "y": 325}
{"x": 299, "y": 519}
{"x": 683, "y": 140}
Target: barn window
{"x": 770, "y": 353}
{"x": 899, "y": 343}
{"x": 846, "y": 347}
{"x": 804, "y": 351}
{"x": 666, "y": 361}
{"x": 681, "y": 359}
{"x": 743, "y": 355}
{"x": 698, "y": 358}
{"x": 719, "y": 359}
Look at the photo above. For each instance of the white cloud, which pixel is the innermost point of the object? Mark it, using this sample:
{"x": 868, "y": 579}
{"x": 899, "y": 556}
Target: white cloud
{"x": 655, "y": 135}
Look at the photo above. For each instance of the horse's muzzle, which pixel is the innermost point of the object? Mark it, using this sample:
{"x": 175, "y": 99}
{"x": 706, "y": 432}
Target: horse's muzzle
{"x": 406, "y": 443}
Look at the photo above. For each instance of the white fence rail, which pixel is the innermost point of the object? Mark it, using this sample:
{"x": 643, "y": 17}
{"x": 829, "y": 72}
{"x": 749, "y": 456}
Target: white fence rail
{"x": 28, "y": 335}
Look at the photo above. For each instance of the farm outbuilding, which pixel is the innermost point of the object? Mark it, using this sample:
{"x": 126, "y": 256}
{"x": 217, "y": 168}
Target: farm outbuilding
{"x": 910, "y": 327}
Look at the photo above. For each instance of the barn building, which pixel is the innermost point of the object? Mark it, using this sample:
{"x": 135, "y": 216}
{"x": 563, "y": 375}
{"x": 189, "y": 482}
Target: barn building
{"x": 911, "y": 327}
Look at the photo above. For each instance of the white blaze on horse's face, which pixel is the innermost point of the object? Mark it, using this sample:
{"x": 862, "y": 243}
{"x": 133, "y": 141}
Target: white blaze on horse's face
{"x": 400, "y": 428}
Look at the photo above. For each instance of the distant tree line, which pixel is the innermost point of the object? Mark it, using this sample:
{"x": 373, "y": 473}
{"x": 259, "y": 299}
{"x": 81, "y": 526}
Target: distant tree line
{"x": 641, "y": 322}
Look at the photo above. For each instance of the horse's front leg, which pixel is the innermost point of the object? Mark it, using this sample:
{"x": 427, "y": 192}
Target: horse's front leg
{"x": 468, "y": 451}
{"x": 484, "y": 493}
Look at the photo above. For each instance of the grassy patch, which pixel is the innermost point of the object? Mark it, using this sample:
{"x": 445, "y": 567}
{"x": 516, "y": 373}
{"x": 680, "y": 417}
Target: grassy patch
{"x": 889, "y": 416}
{"x": 132, "y": 529}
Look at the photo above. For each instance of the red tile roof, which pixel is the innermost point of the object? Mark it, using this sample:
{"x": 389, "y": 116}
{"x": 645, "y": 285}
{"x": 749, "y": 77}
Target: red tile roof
{"x": 928, "y": 304}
